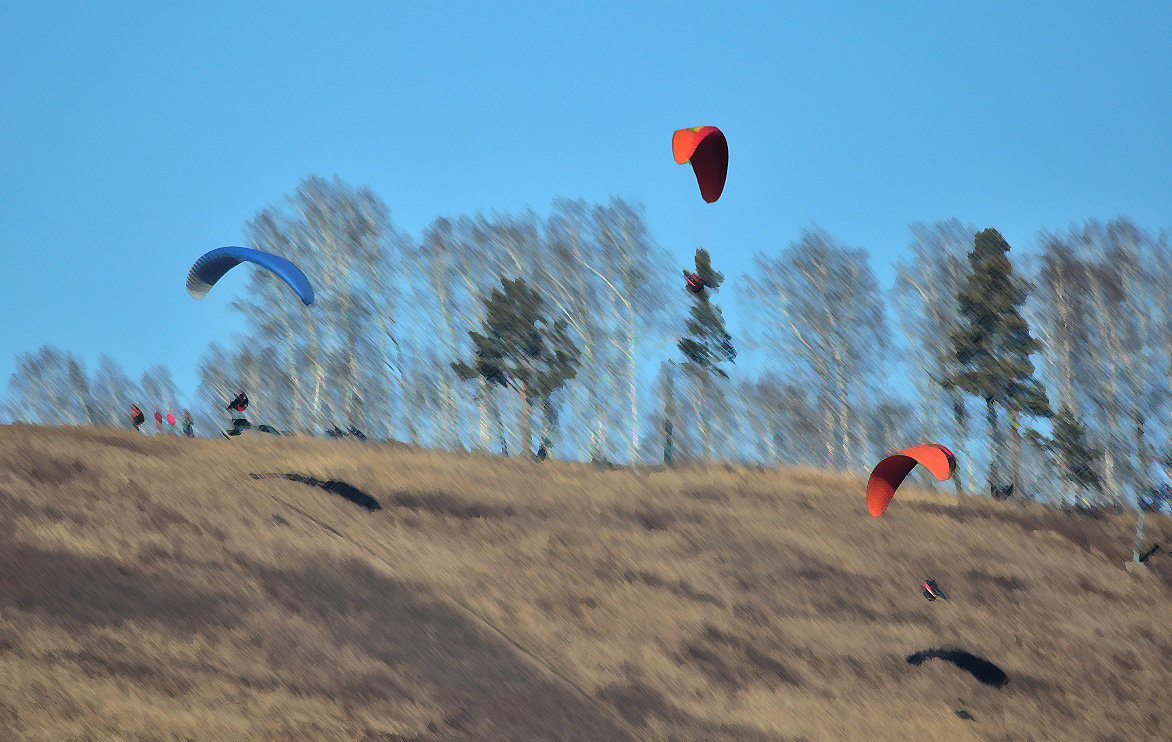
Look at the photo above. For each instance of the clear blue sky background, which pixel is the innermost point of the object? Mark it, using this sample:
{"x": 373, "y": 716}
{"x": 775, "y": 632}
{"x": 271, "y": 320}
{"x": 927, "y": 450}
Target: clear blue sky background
{"x": 136, "y": 136}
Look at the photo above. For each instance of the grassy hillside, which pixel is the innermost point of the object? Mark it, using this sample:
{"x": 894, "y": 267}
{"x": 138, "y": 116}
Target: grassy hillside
{"x": 151, "y": 588}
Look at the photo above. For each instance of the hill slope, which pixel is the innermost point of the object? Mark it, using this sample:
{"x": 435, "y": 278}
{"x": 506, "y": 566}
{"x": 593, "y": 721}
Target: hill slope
{"x": 152, "y": 588}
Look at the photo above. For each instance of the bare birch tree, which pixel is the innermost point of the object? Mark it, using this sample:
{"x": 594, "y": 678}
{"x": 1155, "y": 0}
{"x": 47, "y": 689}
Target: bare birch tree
{"x": 112, "y": 392}
{"x": 633, "y": 268}
{"x": 925, "y": 291}
{"x": 819, "y": 303}
{"x": 46, "y": 387}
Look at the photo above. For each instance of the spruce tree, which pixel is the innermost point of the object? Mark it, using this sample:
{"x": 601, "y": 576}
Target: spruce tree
{"x": 667, "y": 374}
{"x": 1077, "y": 455}
{"x": 993, "y": 345}
{"x": 519, "y": 348}
{"x": 707, "y": 343}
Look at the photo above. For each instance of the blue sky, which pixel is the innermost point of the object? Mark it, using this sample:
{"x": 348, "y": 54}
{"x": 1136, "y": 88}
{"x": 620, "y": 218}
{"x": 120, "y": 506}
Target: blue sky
{"x": 136, "y": 136}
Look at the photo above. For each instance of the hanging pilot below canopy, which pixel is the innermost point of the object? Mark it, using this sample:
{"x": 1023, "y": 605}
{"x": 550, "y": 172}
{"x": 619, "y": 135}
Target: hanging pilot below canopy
{"x": 695, "y": 283}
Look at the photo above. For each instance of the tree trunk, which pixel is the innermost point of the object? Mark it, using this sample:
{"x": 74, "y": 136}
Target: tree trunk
{"x": 526, "y": 413}
{"x": 413, "y": 431}
{"x": 500, "y": 430}
{"x": 298, "y": 392}
{"x": 960, "y": 417}
{"x": 844, "y": 412}
{"x": 597, "y": 436}
{"x": 548, "y": 421}
{"x": 412, "y": 428}
{"x": 447, "y": 395}
{"x": 482, "y": 402}
{"x": 594, "y": 395}
{"x": 1066, "y": 353}
{"x": 1113, "y": 351}
{"x": 1015, "y": 453}
{"x": 354, "y": 416}
{"x": 995, "y": 445}
{"x": 319, "y": 377}
{"x": 385, "y": 324}
{"x": 1110, "y": 483}
{"x": 1065, "y": 345}
{"x": 843, "y": 406}
{"x": 667, "y": 442}
{"x": 448, "y": 402}
{"x": 669, "y": 414}
{"x": 1168, "y": 349}
{"x": 633, "y": 395}
{"x": 702, "y": 417}
{"x": 828, "y": 433}
{"x": 1141, "y": 451}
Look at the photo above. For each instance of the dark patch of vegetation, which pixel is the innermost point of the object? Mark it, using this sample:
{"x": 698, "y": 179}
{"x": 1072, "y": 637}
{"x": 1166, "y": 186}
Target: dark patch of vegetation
{"x": 81, "y": 592}
{"x": 53, "y": 472}
{"x": 1087, "y": 586}
{"x": 444, "y": 652}
{"x": 1002, "y": 583}
{"x": 1091, "y": 529}
{"x": 706, "y": 494}
{"x": 679, "y": 588}
{"x": 840, "y": 605}
{"x": 733, "y": 661}
{"x": 139, "y": 447}
{"x": 651, "y": 519}
{"x": 441, "y": 503}
{"x": 639, "y": 704}
{"x": 10, "y": 507}
{"x": 103, "y": 665}
{"x": 932, "y": 508}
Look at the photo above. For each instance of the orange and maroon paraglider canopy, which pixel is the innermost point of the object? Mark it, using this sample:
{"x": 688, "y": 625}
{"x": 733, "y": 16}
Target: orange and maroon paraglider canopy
{"x": 891, "y": 471}
{"x": 706, "y": 148}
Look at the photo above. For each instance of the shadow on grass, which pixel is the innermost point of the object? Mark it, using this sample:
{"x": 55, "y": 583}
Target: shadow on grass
{"x": 328, "y": 628}
{"x": 415, "y": 645}
{"x": 81, "y": 592}
{"x": 334, "y": 486}
{"x": 979, "y": 667}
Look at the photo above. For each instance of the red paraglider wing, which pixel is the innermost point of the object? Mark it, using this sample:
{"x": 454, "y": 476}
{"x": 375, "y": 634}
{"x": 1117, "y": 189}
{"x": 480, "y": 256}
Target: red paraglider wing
{"x": 707, "y": 149}
{"x": 891, "y": 471}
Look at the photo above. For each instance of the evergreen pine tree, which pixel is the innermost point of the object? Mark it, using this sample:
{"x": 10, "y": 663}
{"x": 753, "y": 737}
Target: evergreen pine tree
{"x": 669, "y": 412}
{"x": 993, "y": 345}
{"x": 519, "y": 348}
{"x": 1078, "y": 456}
{"x": 707, "y": 343}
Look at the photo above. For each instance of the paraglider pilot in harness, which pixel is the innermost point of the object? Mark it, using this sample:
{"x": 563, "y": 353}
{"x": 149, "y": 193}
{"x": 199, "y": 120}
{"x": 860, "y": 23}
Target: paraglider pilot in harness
{"x": 932, "y": 590}
{"x": 136, "y": 416}
{"x": 240, "y": 403}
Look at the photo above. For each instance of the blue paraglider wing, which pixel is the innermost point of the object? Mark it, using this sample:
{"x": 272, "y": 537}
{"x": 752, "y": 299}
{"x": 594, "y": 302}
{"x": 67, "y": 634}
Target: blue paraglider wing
{"x": 212, "y": 266}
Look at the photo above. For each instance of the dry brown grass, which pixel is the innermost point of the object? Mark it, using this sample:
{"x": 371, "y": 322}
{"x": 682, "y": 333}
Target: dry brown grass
{"x": 151, "y": 589}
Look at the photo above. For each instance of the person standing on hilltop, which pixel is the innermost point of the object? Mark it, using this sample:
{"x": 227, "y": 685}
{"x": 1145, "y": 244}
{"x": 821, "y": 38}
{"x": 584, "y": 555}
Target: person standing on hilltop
{"x": 158, "y": 421}
{"x": 188, "y": 423}
{"x": 237, "y": 406}
{"x": 170, "y": 422}
{"x": 136, "y": 417}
